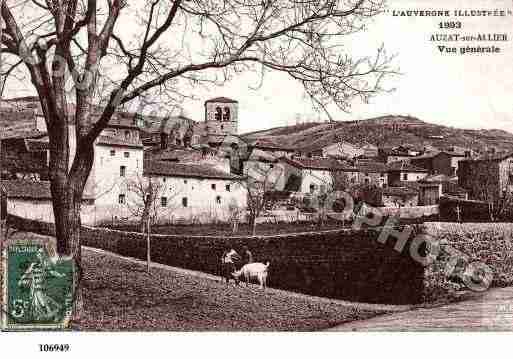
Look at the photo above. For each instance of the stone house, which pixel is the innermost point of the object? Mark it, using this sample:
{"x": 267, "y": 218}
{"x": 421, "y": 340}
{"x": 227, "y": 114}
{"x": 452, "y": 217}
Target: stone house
{"x": 343, "y": 149}
{"x": 119, "y": 160}
{"x": 388, "y": 155}
{"x": 443, "y": 162}
{"x": 372, "y": 173}
{"x": 32, "y": 199}
{"x": 400, "y": 197}
{"x": 487, "y": 178}
{"x": 194, "y": 193}
{"x": 401, "y": 171}
{"x": 311, "y": 175}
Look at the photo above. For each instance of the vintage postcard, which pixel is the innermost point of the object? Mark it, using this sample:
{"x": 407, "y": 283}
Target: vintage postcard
{"x": 256, "y": 166}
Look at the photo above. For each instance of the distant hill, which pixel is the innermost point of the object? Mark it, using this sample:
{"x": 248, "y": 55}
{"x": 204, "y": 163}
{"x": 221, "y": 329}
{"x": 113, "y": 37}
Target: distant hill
{"x": 386, "y": 131}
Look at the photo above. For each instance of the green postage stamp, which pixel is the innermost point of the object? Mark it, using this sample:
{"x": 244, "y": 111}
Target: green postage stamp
{"x": 37, "y": 288}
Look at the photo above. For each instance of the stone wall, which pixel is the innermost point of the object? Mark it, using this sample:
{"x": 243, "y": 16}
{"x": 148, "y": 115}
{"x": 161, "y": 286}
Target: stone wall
{"x": 343, "y": 264}
{"x": 488, "y": 243}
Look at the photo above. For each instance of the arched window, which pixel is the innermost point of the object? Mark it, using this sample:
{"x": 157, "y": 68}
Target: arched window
{"x": 226, "y": 114}
{"x": 219, "y": 114}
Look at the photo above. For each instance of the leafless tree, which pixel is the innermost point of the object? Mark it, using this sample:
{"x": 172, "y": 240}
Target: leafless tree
{"x": 260, "y": 179}
{"x": 144, "y": 196}
{"x": 484, "y": 188}
{"x": 115, "y": 51}
{"x": 235, "y": 215}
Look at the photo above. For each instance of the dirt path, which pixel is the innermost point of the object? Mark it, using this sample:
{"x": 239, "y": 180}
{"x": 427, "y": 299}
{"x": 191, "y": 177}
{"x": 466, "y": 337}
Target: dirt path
{"x": 492, "y": 311}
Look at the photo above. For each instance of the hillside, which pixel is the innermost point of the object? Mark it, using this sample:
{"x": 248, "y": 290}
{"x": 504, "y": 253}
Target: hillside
{"x": 387, "y": 131}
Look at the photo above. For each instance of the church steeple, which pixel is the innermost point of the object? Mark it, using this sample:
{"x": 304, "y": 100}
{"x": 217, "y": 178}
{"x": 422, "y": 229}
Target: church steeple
{"x": 221, "y": 116}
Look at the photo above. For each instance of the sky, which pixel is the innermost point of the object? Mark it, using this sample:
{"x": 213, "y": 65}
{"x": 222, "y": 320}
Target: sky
{"x": 466, "y": 91}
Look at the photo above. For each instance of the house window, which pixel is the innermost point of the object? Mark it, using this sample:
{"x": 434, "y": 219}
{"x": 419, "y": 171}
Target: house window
{"x": 127, "y": 154}
{"x": 163, "y": 201}
{"x": 163, "y": 179}
{"x": 184, "y": 201}
{"x": 227, "y": 188}
{"x": 112, "y": 152}
{"x": 312, "y": 188}
{"x": 219, "y": 114}
{"x": 405, "y": 177}
{"x": 213, "y": 186}
{"x": 226, "y": 114}
{"x": 184, "y": 181}
{"x": 122, "y": 199}
{"x": 218, "y": 199}
{"x": 122, "y": 171}
{"x": 127, "y": 134}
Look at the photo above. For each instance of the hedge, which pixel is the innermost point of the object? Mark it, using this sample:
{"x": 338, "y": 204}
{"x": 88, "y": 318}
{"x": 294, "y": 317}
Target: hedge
{"x": 344, "y": 264}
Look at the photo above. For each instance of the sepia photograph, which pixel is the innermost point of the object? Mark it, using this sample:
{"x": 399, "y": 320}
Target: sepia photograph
{"x": 235, "y": 166}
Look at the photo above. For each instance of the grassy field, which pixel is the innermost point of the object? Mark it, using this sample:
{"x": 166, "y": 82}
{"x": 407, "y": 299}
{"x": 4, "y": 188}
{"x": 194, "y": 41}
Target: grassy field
{"x": 120, "y": 295}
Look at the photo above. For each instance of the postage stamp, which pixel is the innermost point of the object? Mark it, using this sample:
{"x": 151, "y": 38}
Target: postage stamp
{"x": 38, "y": 288}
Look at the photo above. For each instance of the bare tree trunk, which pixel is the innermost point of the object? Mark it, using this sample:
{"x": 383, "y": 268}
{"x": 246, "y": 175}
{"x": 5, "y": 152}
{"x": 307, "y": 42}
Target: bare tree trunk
{"x": 67, "y": 190}
{"x": 148, "y": 246}
{"x": 253, "y": 226}
{"x": 67, "y": 230}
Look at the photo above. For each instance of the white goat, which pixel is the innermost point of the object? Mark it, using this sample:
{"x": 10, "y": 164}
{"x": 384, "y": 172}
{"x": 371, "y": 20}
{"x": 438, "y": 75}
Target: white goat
{"x": 255, "y": 271}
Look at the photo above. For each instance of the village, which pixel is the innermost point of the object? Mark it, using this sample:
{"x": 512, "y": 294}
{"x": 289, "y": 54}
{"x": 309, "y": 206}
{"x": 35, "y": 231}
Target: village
{"x": 205, "y": 172}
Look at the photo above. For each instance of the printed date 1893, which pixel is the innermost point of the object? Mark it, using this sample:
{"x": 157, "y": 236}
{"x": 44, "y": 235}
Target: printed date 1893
{"x": 450, "y": 25}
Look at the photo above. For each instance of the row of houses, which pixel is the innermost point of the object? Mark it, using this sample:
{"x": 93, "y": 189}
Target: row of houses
{"x": 192, "y": 182}
{"x": 200, "y": 167}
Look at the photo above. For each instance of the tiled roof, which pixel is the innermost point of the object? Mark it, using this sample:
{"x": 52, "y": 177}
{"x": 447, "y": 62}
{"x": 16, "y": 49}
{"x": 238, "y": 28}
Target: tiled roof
{"x": 171, "y": 169}
{"x": 404, "y": 166}
{"x": 452, "y": 188}
{"x": 23, "y": 134}
{"x": 394, "y": 152}
{"x": 436, "y": 153}
{"x": 123, "y": 120}
{"x": 399, "y": 191}
{"x": 221, "y": 100}
{"x": 25, "y": 98}
{"x": 371, "y": 167}
{"x": 37, "y": 145}
{"x": 268, "y": 144}
{"x": 436, "y": 179}
{"x": 115, "y": 141}
{"x": 325, "y": 164}
{"x": 178, "y": 154}
{"x": 494, "y": 157}
{"x": 427, "y": 155}
{"x": 27, "y": 189}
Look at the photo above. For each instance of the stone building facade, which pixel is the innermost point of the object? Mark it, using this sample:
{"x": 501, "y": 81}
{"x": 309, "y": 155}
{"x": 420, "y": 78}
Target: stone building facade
{"x": 487, "y": 178}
